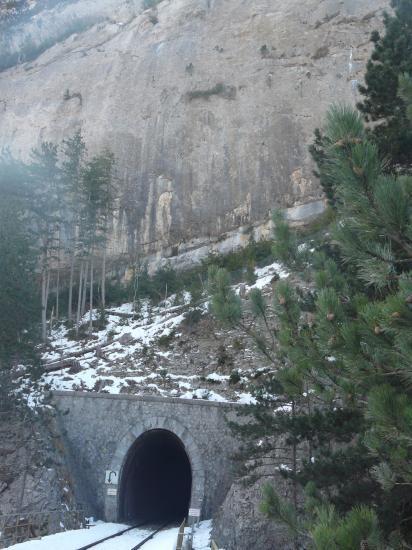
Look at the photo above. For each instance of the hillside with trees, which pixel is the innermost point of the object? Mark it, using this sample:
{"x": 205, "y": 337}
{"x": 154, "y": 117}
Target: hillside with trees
{"x": 310, "y": 331}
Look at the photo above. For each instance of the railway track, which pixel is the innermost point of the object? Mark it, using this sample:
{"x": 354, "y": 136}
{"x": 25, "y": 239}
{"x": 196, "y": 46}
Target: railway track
{"x": 123, "y": 531}
{"x": 143, "y": 542}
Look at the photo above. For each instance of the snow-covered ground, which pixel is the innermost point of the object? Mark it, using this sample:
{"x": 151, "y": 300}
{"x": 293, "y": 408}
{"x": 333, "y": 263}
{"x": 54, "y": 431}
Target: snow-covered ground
{"x": 71, "y": 540}
{"x": 128, "y": 356}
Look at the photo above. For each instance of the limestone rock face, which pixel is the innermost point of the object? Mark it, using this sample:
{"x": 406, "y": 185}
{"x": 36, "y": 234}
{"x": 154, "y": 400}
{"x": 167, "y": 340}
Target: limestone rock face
{"x": 208, "y": 105}
{"x": 240, "y": 525}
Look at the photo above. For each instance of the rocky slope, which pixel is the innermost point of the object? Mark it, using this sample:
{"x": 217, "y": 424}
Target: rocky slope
{"x": 174, "y": 349}
{"x": 36, "y": 493}
{"x": 208, "y": 105}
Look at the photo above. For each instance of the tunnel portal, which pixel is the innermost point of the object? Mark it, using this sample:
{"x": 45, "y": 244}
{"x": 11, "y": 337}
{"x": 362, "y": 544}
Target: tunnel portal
{"x": 156, "y": 479}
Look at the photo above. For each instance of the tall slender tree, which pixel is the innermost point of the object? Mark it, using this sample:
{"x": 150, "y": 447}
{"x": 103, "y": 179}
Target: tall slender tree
{"x": 97, "y": 189}
{"x": 74, "y": 153}
{"x": 19, "y": 304}
{"x": 45, "y": 181}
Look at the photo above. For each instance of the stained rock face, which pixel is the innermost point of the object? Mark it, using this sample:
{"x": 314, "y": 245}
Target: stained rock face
{"x": 240, "y": 525}
{"x": 208, "y": 105}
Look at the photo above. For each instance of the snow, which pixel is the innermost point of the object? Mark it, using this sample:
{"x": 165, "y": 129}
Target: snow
{"x": 265, "y": 275}
{"x": 71, "y": 540}
{"x": 204, "y": 393}
{"x": 201, "y": 539}
{"x": 215, "y": 377}
{"x": 246, "y": 399}
{"x": 283, "y": 409}
{"x": 284, "y": 468}
{"x": 125, "y": 355}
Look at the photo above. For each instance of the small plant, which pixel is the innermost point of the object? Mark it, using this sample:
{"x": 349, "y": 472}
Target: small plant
{"x": 212, "y": 380}
{"x": 265, "y": 52}
{"x": 163, "y": 374}
{"x": 192, "y": 318}
{"x": 223, "y": 358}
{"x": 250, "y": 273}
{"x": 79, "y": 334}
{"x": 237, "y": 344}
{"x": 165, "y": 340}
{"x": 123, "y": 322}
{"x": 227, "y": 92}
{"x": 101, "y": 321}
{"x": 111, "y": 334}
{"x": 234, "y": 377}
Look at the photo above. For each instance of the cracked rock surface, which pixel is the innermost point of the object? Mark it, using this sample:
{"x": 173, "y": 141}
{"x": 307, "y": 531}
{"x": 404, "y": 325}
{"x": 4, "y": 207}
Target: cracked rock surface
{"x": 208, "y": 105}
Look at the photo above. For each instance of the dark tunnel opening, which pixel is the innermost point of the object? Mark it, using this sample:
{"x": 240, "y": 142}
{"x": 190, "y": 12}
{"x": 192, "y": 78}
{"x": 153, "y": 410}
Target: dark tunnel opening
{"x": 156, "y": 479}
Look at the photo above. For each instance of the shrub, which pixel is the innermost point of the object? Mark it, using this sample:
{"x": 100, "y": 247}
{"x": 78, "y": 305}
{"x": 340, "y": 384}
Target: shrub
{"x": 228, "y": 92}
{"x": 165, "y": 340}
{"x": 234, "y": 377}
{"x": 192, "y": 318}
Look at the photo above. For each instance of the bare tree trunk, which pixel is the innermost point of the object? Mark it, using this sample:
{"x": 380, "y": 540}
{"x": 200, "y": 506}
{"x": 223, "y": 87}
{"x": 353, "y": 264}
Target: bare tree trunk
{"x": 51, "y": 319}
{"x": 83, "y": 308}
{"x": 104, "y": 279}
{"x": 46, "y": 301}
{"x": 57, "y": 292}
{"x": 70, "y": 302}
{"x": 58, "y": 275}
{"x": 79, "y": 299}
{"x": 295, "y": 469}
{"x": 44, "y": 304}
{"x": 91, "y": 296}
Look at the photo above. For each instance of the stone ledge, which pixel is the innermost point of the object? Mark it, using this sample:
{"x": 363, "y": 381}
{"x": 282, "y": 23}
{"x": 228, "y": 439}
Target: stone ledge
{"x": 147, "y": 398}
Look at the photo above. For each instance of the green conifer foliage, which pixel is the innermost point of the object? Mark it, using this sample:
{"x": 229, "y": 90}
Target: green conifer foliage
{"x": 341, "y": 352}
{"x": 19, "y": 304}
{"x": 392, "y": 56}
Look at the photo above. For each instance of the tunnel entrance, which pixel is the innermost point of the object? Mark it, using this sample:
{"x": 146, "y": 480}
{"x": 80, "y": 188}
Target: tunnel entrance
{"x": 156, "y": 479}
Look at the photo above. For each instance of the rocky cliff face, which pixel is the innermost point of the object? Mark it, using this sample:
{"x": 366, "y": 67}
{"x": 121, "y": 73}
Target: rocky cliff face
{"x": 209, "y": 105}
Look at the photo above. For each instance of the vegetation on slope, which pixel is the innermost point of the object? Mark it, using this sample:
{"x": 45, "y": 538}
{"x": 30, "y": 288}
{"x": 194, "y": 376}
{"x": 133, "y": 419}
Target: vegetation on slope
{"x": 341, "y": 340}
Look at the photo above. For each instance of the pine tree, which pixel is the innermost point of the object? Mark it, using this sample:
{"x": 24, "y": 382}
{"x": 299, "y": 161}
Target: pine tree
{"x": 405, "y": 91}
{"x": 341, "y": 351}
{"x": 74, "y": 153}
{"x": 97, "y": 206}
{"x": 19, "y": 304}
{"x": 46, "y": 209}
{"x": 365, "y": 324}
{"x": 392, "y": 57}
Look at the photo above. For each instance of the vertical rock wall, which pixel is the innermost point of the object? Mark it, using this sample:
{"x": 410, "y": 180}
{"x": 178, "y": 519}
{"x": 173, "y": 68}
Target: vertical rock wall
{"x": 209, "y": 106}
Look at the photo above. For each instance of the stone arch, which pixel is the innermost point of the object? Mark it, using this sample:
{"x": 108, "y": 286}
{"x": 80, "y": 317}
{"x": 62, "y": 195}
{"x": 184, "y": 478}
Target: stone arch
{"x": 112, "y": 504}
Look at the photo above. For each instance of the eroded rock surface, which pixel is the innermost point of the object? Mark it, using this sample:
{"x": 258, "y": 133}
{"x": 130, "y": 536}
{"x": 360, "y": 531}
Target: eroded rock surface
{"x": 209, "y": 105}
{"x": 240, "y": 525}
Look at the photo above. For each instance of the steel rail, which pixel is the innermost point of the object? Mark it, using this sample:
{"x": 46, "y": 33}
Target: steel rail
{"x": 118, "y": 534}
{"x": 143, "y": 542}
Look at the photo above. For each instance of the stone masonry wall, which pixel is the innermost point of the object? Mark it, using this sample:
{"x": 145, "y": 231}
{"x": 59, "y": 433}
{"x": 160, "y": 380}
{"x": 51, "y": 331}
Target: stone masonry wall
{"x": 99, "y": 429}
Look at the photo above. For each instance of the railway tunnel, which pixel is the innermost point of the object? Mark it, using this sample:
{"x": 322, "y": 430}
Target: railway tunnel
{"x": 134, "y": 457}
{"x": 156, "y": 479}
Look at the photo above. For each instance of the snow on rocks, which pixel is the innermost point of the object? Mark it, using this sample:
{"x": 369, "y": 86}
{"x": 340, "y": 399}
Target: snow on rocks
{"x": 152, "y": 351}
